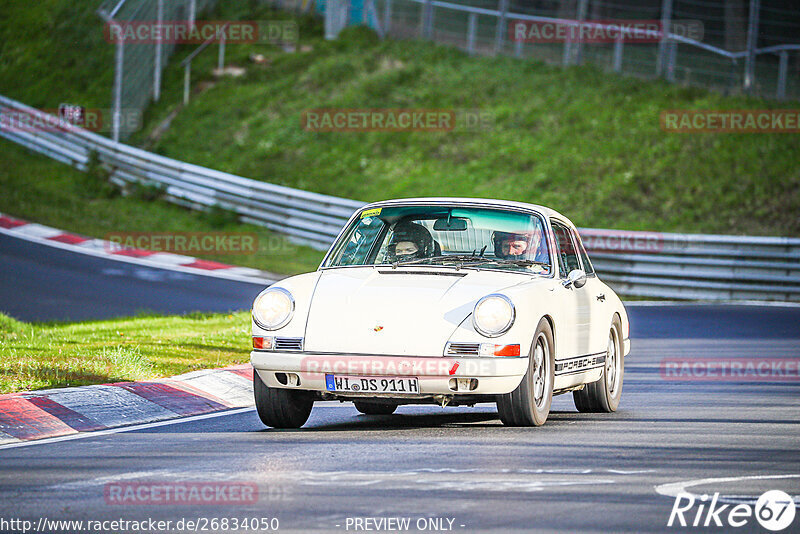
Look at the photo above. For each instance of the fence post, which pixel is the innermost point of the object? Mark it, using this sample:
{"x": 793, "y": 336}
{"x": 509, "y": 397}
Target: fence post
{"x": 618, "y": 54}
{"x": 427, "y": 20}
{"x": 500, "y": 32}
{"x": 783, "y": 68}
{"x": 387, "y": 17}
{"x": 192, "y": 11}
{"x": 666, "y": 22}
{"x": 752, "y": 42}
{"x": 119, "y": 64}
{"x": 221, "y": 58}
{"x": 672, "y": 52}
{"x": 157, "y": 62}
{"x": 187, "y": 80}
{"x": 472, "y": 27}
{"x": 582, "y": 5}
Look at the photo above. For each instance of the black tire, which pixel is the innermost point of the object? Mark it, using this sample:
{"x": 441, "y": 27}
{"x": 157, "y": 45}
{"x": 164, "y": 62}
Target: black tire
{"x": 371, "y": 408}
{"x": 604, "y": 395}
{"x": 529, "y": 404}
{"x": 281, "y": 408}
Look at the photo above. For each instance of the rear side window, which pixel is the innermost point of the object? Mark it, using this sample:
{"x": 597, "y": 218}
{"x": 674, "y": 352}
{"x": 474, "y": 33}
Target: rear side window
{"x": 567, "y": 255}
{"x": 587, "y": 265}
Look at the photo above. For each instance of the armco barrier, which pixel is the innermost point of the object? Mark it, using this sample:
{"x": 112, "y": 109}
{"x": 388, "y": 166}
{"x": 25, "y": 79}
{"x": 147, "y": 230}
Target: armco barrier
{"x": 690, "y": 266}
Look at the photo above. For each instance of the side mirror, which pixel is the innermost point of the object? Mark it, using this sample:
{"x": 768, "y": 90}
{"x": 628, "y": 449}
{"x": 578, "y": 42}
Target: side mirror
{"x": 576, "y": 277}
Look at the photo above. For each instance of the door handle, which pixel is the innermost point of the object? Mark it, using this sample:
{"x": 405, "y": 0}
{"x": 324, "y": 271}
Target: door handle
{"x": 601, "y": 297}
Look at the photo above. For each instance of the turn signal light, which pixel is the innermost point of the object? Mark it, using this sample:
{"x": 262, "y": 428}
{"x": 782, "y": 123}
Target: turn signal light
{"x": 264, "y": 343}
{"x": 506, "y": 350}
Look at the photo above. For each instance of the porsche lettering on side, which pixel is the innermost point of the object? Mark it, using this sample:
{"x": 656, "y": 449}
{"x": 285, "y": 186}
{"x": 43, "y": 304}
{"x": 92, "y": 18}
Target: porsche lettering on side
{"x": 445, "y": 301}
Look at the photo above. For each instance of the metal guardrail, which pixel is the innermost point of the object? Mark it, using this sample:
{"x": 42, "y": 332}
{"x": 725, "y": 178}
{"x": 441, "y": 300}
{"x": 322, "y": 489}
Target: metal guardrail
{"x": 692, "y": 266}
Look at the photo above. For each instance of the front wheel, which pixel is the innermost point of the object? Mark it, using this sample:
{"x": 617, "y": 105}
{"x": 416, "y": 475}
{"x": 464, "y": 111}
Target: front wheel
{"x": 281, "y": 408}
{"x": 529, "y": 404}
{"x": 371, "y": 408}
{"x": 604, "y": 395}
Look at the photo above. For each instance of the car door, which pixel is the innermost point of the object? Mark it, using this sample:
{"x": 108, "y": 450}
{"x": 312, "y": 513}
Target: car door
{"x": 577, "y": 306}
{"x": 600, "y": 306}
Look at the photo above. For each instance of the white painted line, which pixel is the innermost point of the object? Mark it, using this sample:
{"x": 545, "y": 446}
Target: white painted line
{"x": 133, "y": 428}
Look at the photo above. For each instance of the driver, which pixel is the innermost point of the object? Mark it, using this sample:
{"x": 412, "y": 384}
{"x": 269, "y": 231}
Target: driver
{"x": 410, "y": 241}
{"x": 520, "y": 246}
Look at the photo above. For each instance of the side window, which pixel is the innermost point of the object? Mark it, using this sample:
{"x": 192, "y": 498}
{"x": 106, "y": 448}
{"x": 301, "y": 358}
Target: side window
{"x": 567, "y": 255}
{"x": 587, "y": 265}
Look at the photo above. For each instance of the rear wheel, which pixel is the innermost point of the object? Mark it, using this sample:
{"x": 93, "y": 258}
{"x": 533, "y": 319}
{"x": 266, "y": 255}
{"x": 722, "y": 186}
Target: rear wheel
{"x": 604, "y": 395}
{"x": 281, "y": 408}
{"x": 371, "y": 408}
{"x": 529, "y": 404}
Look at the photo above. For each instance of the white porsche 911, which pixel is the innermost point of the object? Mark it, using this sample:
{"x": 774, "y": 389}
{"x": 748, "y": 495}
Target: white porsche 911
{"x": 445, "y": 301}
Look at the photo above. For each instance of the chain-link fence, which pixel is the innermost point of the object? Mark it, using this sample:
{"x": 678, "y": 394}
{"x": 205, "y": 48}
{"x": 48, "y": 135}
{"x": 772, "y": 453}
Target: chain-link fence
{"x": 138, "y": 65}
{"x": 750, "y": 46}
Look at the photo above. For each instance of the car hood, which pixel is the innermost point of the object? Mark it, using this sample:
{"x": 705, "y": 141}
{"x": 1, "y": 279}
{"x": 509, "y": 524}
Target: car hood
{"x": 405, "y": 311}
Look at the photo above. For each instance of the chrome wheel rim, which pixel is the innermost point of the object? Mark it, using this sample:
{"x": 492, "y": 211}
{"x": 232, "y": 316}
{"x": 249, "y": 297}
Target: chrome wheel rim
{"x": 612, "y": 365}
{"x": 541, "y": 357}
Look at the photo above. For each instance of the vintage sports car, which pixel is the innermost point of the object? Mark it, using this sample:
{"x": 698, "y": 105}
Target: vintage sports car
{"x": 445, "y": 301}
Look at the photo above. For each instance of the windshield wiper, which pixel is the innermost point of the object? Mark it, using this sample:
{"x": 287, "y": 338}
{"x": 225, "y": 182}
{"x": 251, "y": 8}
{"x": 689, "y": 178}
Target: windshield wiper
{"x": 458, "y": 258}
{"x": 504, "y": 261}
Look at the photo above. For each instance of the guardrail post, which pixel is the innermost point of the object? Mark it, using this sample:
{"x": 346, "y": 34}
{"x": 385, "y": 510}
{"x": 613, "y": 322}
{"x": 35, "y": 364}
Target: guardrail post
{"x": 472, "y": 26}
{"x": 157, "y": 62}
{"x": 666, "y": 23}
{"x": 752, "y": 41}
{"x": 567, "y": 49}
{"x": 387, "y": 17}
{"x": 618, "y": 54}
{"x": 500, "y": 32}
{"x": 783, "y": 68}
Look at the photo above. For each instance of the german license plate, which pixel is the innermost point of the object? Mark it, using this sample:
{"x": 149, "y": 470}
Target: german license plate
{"x": 371, "y": 384}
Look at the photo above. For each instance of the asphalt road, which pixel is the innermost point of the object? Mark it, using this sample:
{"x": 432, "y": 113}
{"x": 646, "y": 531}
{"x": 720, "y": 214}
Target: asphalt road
{"x": 457, "y": 466}
{"x": 41, "y": 283}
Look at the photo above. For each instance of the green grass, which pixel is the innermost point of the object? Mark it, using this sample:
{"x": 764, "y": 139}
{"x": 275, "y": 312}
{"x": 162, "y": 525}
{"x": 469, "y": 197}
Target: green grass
{"x": 38, "y": 189}
{"x": 36, "y": 356}
{"x": 581, "y": 140}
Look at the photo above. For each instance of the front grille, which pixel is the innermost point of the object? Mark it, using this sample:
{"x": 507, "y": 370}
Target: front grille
{"x": 288, "y": 343}
{"x": 464, "y": 349}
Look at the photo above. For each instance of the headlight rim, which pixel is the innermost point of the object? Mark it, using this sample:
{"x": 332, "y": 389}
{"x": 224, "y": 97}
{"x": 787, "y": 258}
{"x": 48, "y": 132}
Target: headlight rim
{"x": 508, "y": 325}
{"x": 289, "y": 315}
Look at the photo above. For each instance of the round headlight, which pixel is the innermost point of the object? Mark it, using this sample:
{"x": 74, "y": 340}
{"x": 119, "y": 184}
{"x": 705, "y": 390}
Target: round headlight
{"x": 273, "y": 308}
{"x": 493, "y": 315}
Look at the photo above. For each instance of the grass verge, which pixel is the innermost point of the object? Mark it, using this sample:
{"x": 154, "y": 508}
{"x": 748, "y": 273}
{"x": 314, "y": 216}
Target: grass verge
{"x": 37, "y": 356}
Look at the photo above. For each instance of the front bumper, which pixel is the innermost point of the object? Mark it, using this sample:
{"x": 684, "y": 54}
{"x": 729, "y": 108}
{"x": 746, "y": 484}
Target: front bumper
{"x": 495, "y": 375}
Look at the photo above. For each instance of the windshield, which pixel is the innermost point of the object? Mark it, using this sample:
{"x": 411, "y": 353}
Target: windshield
{"x": 444, "y": 235}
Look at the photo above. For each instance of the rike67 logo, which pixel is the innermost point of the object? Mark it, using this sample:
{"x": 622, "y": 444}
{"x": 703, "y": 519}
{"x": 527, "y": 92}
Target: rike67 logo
{"x": 774, "y": 510}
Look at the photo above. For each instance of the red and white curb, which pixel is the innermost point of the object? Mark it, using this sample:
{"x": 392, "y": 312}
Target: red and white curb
{"x": 53, "y": 413}
{"x": 45, "y": 235}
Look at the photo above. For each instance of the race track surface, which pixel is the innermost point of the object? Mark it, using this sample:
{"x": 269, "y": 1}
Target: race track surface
{"x": 587, "y": 472}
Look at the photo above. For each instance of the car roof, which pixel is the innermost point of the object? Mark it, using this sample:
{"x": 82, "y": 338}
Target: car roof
{"x": 545, "y": 211}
